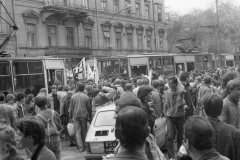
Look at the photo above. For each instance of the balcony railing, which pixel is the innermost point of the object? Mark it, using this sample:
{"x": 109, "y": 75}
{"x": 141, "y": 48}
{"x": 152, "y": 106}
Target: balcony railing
{"x": 71, "y": 4}
{"x": 68, "y": 51}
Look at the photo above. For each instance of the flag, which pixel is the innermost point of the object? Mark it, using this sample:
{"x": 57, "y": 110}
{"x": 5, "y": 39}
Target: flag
{"x": 95, "y": 71}
{"x": 150, "y": 76}
{"x": 80, "y": 69}
{"x": 90, "y": 74}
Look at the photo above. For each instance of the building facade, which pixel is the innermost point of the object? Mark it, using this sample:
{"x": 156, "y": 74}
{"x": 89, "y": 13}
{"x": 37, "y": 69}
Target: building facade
{"x": 87, "y": 28}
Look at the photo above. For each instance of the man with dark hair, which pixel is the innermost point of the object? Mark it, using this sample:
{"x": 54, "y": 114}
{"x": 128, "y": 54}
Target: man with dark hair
{"x": 199, "y": 139}
{"x": 231, "y": 108}
{"x": 174, "y": 106}
{"x": 7, "y": 113}
{"x": 139, "y": 84}
{"x": 54, "y": 99}
{"x": 225, "y": 79}
{"x": 132, "y": 131}
{"x": 157, "y": 97}
{"x": 20, "y": 100}
{"x": 32, "y": 137}
{"x": 79, "y": 113}
{"x": 49, "y": 118}
{"x": 227, "y": 137}
{"x": 189, "y": 94}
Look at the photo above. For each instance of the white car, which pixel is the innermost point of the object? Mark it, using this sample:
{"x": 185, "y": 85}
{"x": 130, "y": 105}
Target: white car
{"x": 101, "y": 134}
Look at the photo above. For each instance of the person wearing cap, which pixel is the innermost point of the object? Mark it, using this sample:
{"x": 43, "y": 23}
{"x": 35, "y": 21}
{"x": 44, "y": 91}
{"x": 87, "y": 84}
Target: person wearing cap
{"x": 231, "y": 108}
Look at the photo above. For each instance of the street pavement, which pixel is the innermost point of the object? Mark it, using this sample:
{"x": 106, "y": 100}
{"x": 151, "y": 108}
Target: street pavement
{"x": 67, "y": 153}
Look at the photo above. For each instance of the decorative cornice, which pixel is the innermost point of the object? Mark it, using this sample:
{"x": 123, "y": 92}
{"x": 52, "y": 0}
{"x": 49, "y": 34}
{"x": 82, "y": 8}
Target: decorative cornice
{"x": 30, "y": 14}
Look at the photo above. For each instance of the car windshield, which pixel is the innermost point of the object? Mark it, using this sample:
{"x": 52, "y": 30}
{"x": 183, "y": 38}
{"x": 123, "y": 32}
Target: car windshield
{"x": 105, "y": 118}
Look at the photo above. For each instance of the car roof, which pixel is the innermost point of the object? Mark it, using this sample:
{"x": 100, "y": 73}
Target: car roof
{"x": 107, "y": 108}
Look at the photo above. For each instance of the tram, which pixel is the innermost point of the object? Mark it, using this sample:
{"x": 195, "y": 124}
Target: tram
{"x": 20, "y": 73}
{"x": 169, "y": 64}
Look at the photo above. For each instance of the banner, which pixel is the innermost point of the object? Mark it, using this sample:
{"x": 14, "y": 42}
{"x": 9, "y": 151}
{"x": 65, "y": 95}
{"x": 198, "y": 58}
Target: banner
{"x": 80, "y": 70}
{"x": 95, "y": 71}
{"x": 90, "y": 74}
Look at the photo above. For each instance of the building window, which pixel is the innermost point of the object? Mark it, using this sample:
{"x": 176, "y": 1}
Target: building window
{"x": 138, "y": 11}
{"x": 52, "y": 35}
{"x": 118, "y": 40}
{"x": 130, "y": 41}
{"x": 161, "y": 38}
{"x": 160, "y": 12}
{"x": 116, "y": 6}
{"x": 88, "y": 38}
{"x": 149, "y": 41}
{"x": 31, "y": 35}
{"x": 70, "y": 36}
{"x": 86, "y": 4}
{"x": 127, "y": 3}
{"x": 139, "y": 41}
{"x": 104, "y": 5}
{"x": 147, "y": 15}
{"x": 237, "y": 48}
{"x": 107, "y": 38}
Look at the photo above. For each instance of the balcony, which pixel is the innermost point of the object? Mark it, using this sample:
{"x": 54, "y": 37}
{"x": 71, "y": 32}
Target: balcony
{"x": 68, "y": 52}
{"x": 62, "y": 10}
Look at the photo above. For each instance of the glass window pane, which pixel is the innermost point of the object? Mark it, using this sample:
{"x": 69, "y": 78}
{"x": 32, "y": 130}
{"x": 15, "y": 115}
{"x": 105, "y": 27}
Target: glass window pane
{"x": 6, "y": 84}
{"x": 20, "y": 67}
{"x": 34, "y": 82}
{"x": 105, "y": 119}
{"x": 35, "y": 67}
{"x": 4, "y": 68}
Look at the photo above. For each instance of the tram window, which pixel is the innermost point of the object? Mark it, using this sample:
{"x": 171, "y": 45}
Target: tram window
{"x": 35, "y": 67}
{"x": 20, "y": 67}
{"x": 4, "y": 68}
{"x": 5, "y": 77}
{"x": 34, "y": 82}
{"x": 167, "y": 61}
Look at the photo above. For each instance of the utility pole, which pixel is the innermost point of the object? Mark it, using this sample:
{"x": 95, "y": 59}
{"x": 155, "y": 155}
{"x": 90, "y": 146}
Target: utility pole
{"x": 15, "y": 39}
{"x": 218, "y": 35}
{"x": 154, "y": 27}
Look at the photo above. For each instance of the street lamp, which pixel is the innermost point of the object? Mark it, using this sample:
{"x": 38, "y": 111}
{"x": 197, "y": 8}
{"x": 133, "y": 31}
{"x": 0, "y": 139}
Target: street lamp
{"x": 128, "y": 7}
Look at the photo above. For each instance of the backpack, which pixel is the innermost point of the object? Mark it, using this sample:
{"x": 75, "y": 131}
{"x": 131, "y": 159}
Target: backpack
{"x": 51, "y": 127}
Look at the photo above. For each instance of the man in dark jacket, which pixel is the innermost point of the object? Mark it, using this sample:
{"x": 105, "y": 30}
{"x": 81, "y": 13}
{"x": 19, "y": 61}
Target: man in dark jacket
{"x": 79, "y": 112}
{"x": 227, "y": 137}
{"x": 199, "y": 139}
{"x": 184, "y": 78}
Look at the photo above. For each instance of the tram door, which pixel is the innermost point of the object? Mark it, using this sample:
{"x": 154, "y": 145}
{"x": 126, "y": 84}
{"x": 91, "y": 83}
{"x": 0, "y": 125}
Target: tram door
{"x": 190, "y": 66}
{"x": 180, "y": 67}
{"x": 55, "y": 76}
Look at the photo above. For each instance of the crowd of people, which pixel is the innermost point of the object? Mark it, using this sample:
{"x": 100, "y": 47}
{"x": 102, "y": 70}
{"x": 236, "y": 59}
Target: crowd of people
{"x": 201, "y": 110}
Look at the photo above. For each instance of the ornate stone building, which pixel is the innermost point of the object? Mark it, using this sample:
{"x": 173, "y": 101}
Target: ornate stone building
{"x": 87, "y": 28}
